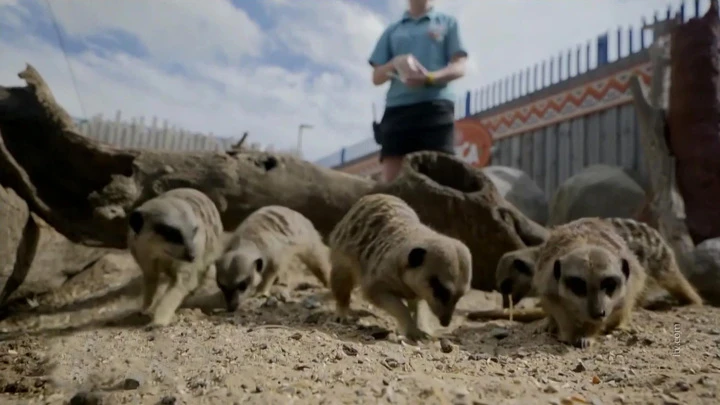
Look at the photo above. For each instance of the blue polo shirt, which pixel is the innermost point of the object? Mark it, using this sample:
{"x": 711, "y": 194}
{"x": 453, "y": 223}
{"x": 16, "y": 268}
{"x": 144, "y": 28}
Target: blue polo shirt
{"x": 433, "y": 39}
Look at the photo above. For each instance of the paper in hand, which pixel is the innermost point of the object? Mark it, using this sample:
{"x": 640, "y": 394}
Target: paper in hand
{"x": 407, "y": 67}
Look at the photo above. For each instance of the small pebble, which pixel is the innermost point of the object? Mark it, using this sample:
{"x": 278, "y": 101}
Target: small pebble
{"x": 271, "y": 302}
{"x": 499, "y": 333}
{"x": 85, "y": 398}
{"x": 580, "y": 367}
{"x": 349, "y": 350}
{"x": 682, "y": 386}
{"x": 168, "y": 400}
{"x": 446, "y": 346}
{"x": 130, "y": 384}
{"x": 311, "y": 303}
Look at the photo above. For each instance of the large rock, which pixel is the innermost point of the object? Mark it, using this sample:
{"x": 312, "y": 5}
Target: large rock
{"x": 520, "y": 190}
{"x": 597, "y": 191}
{"x": 707, "y": 270}
{"x": 57, "y": 258}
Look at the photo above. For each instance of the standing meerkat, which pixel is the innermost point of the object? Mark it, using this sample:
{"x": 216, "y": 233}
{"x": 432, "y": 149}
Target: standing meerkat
{"x": 514, "y": 272}
{"x": 178, "y": 235}
{"x": 263, "y": 247}
{"x": 381, "y": 245}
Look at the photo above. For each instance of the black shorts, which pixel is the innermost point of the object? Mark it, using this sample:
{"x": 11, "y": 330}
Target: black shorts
{"x": 426, "y": 126}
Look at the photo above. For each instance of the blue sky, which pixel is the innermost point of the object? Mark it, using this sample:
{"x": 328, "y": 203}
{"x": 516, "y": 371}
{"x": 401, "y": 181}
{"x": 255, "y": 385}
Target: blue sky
{"x": 266, "y": 66}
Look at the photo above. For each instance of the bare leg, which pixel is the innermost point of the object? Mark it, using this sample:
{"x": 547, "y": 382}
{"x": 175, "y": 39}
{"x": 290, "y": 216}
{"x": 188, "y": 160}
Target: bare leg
{"x": 24, "y": 257}
{"x": 342, "y": 283}
{"x": 391, "y": 167}
{"x": 317, "y": 260}
{"x": 180, "y": 287}
{"x": 393, "y": 305}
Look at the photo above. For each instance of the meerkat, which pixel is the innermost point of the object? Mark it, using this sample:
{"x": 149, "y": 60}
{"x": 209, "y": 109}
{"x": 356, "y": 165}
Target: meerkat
{"x": 175, "y": 238}
{"x": 262, "y": 248}
{"x": 514, "y": 277}
{"x": 382, "y": 246}
{"x": 588, "y": 281}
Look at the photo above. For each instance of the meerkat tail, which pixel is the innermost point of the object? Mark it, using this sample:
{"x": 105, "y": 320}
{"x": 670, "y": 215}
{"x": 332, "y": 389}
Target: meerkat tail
{"x": 680, "y": 288}
{"x": 524, "y": 315}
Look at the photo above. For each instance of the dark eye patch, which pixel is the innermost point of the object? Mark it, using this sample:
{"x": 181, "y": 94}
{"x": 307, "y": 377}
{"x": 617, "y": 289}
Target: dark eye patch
{"x": 506, "y": 286}
{"x": 441, "y": 293}
{"x": 170, "y": 234}
{"x": 576, "y": 285}
{"x": 609, "y": 284}
{"x": 242, "y": 286}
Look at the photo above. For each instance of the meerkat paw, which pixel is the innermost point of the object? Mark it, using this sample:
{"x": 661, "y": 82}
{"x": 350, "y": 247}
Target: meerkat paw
{"x": 547, "y": 325}
{"x": 583, "y": 342}
{"x": 343, "y": 316}
{"x": 417, "y": 335}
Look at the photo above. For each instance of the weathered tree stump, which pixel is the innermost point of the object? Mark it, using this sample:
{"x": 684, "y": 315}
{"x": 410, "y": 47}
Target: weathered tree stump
{"x": 461, "y": 201}
{"x": 85, "y": 189}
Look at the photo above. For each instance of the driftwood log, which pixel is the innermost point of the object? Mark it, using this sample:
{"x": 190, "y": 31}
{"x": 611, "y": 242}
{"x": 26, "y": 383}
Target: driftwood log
{"x": 85, "y": 189}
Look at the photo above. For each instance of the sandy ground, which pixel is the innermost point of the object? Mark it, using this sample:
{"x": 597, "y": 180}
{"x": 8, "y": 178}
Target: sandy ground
{"x": 286, "y": 350}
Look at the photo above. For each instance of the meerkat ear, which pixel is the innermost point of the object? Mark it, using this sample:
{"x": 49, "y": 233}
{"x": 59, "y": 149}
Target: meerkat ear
{"x": 136, "y": 221}
{"x": 416, "y": 257}
{"x": 522, "y": 267}
{"x": 258, "y": 265}
{"x": 626, "y": 268}
{"x": 557, "y": 270}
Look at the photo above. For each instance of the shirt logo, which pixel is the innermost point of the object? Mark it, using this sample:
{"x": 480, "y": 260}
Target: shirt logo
{"x": 437, "y": 31}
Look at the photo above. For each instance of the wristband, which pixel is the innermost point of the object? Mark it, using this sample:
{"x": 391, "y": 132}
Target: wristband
{"x": 429, "y": 79}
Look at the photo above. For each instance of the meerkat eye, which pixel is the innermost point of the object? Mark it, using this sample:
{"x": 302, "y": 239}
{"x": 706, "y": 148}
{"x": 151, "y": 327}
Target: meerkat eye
{"x": 170, "y": 234}
{"x": 441, "y": 293}
{"x": 258, "y": 265}
{"x": 576, "y": 285}
{"x": 522, "y": 267}
{"x": 242, "y": 286}
{"x": 609, "y": 285}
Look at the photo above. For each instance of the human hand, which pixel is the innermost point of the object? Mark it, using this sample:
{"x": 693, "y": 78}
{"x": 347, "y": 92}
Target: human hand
{"x": 409, "y": 70}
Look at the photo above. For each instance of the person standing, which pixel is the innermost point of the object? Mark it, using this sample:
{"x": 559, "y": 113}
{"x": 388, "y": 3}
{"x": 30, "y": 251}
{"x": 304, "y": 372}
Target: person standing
{"x": 421, "y": 54}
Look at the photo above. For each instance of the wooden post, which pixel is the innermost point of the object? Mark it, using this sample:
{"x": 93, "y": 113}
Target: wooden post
{"x": 667, "y": 203}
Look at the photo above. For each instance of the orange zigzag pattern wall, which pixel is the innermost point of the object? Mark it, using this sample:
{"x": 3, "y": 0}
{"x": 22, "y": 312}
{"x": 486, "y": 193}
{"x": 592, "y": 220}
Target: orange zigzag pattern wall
{"x": 591, "y": 97}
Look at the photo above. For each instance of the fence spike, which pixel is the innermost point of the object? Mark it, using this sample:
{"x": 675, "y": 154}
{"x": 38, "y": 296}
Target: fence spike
{"x": 587, "y": 55}
{"x": 577, "y": 59}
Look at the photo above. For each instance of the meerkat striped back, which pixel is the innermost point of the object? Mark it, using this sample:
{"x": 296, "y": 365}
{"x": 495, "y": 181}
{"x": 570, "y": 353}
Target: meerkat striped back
{"x": 374, "y": 225}
{"x": 208, "y": 213}
{"x": 646, "y": 243}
